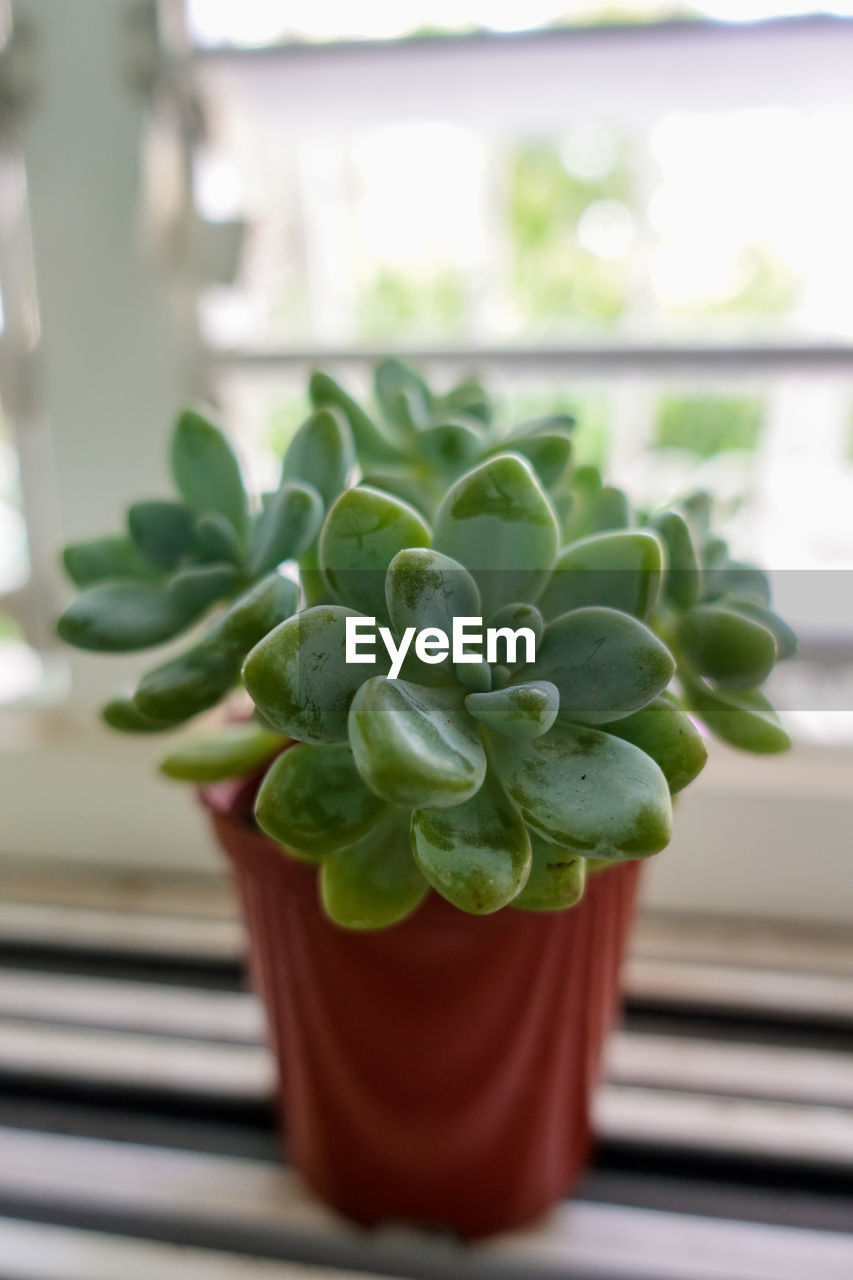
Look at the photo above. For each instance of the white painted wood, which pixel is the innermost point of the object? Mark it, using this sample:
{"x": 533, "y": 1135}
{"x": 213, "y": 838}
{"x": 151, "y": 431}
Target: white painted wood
{"x": 810, "y": 1076}
{"x": 719, "y": 986}
{"x": 576, "y": 1240}
{"x": 728, "y": 1126}
{"x": 159, "y": 1009}
{"x": 761, "y": 944}
{"x": 235, "y": 1072}
{"x": 38, "y": 1251}
{"x": 488, "y": 84}
{"x": 175, "y": 937}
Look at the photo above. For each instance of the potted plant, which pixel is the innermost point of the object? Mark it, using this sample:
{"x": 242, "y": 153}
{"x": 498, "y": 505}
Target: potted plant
{"x": 470, "y": 718}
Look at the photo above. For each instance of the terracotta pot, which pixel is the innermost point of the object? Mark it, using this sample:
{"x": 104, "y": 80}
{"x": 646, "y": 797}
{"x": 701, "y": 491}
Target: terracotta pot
{"x": 439, "y": 1071}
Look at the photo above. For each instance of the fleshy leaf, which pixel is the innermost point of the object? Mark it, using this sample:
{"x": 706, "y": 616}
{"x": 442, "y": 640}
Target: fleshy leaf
{"x": 163, "y": 531}
{"x": 216, "y": 539}
{"x": 450, "y": 447}
{"x": 605, "y": 664}
{"x": 123, "y": 714}
{"x": 477, "y": 854}
{"x": 206, "y": 470}
{"x": 514, "y": 617}
{"x": 415, "y": 746}
{"x": 785, "y": 636}
{"x": 120, "y": 617}
{"x": 726, "y": 646}
{"x": 289, "y": 522}
{"x": 256, "y": 612}
{"x": 372, "y": 445}
{"x": 314, "y": 801}
{"x": 520, "y": 710}
{"x": 376, "y": 883}
{"x": 188, "y": 684}
{"x": 401, "y": 484}
{"x": 547, "y": 445}
{"x": 196, "y": 588}
{"x": 105, "y": 560}
{"x": 424, "y": 589}
{"x": 741, "y": 580}
{"x": 666, "y": 734}
{"x": 298, "y": 678}
{"x": 621, "y": 570}
{"x": 234, "y": 751}
{"x": 469, "y": 397}
{"x": 587, "y": 791}
{"x": 499, "y": 515}
{"x": 403, "y": 395}
{"x": 363, "y": 532}
{"x": 557, "y": 878}
{"x": 321, "y": 454}
{"x": 683, "y": 582}
{"x": 745, "y": 719}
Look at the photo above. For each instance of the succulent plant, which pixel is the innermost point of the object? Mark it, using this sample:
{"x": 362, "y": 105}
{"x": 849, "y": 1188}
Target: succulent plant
{"x": 509, "y": 775}
{"x": 418, "y": 441}
{"x": 182, "y": 558}
{"x": 498, "y": 778}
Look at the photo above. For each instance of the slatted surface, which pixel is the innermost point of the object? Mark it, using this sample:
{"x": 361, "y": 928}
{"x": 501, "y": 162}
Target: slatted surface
{"x": 136, "y": 1130}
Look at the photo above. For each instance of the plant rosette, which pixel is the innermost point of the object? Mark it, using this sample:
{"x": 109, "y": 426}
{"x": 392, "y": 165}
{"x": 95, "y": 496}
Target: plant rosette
{"x": 497, "y": 780}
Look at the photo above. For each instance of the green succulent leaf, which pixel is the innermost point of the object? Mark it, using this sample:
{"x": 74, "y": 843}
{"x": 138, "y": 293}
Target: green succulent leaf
{"x": 520, "y": 710}
{"x": 288, "y": 524}
{"x": 425, "y": 589}
{"x": 415, "y": 746}
{"x": 498, "y": 514}
{"x": 547, "y": 445}
{"x": 121, "y": 617}
{"x": 188, "y": 684}
{"x": 257, "y": 611}
{"x": 164, "y": 532}
{"x": 375, "y": 883}
{"x": 728, "y": 647}
{"x": 321, "y": 454}
{"x": 609, "y": 510}
{"x": 233, "y": 752}
{"x": 605, "y": 664}
{"x": 587, "y": 791}
{"x": 123, "y": 714}
{"x": 216, "y": 540}
{"x": 206, "y": 470}
{"x": 195, "y": 589}
{"x": 450, "y": 447}
{"x": 314, "y": 801}
{"x": 401, "y": 484}
{"x": 666, "y": 734}
{"x": 514, "y": 617}
{"x": 557, "y": 878}
{"x": 741, "y": 580}
{"x": 404, "y": 397}
{"x": 683, "y": 582}
{"x": 477, "y": 854}
{"x": 746, "y": 719}
{"x": 105, "y": 560}
{"x": 469, "y": 397}
{"x": 785, "y": 636}
{"x": 297, "y": 676}
{"x": 621, "y": 570}
{"x": 362, "y": 533}
{"x": 476, "y": 676}
{"x": 372, "y": 445}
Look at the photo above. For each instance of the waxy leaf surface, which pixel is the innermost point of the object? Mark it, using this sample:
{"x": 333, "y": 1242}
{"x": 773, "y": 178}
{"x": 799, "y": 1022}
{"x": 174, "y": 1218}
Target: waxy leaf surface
{"x": 415, "y": 746}
{"x": 313, "y": 800}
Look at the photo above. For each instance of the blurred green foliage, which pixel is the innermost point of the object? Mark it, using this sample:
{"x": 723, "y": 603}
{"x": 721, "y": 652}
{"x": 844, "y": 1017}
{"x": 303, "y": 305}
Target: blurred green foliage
{"x": 707, "y": 425}
{"x": 393, "y": 300}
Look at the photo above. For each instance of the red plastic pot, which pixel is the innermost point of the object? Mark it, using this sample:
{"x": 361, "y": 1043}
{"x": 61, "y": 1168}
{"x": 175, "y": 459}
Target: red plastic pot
{"x": 439, "y": 1071}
